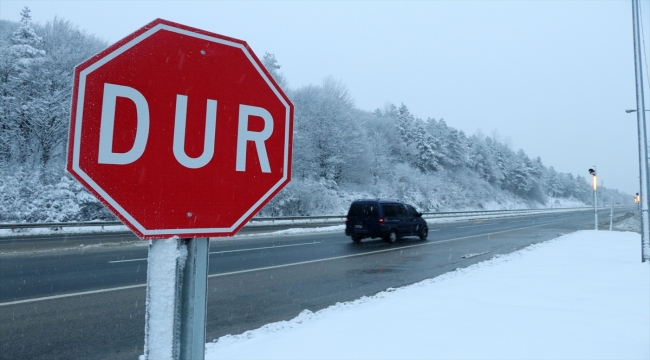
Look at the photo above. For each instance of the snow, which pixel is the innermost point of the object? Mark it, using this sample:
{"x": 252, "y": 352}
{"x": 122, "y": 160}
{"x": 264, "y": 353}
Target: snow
{"x": 584, "y": 295}
{"x": 64, "y": 230}
{"x": 164, "y": 258}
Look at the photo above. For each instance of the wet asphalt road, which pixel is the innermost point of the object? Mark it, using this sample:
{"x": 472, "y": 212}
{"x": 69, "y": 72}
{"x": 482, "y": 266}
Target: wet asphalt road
{"x": 252, "y": 281}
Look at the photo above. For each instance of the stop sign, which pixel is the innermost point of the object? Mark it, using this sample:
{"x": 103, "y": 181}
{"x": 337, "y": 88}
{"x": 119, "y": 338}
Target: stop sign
{"x": 179, "y": 131}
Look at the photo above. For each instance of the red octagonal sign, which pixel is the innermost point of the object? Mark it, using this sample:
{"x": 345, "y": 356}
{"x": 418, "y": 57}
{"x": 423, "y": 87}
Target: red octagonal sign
{"x": 179, "y": 131}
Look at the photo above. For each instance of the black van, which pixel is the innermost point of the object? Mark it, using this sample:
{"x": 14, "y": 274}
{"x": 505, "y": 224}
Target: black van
{"x": 388, "y": 220}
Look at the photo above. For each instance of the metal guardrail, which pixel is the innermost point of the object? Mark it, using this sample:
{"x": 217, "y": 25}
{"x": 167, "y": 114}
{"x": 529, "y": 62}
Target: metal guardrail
{"x": 440, "y": 214}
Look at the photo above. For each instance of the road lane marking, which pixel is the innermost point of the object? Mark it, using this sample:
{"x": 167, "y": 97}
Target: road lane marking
{"x": 266, "y": 247}
{"x": 72, "y": 294}
{"x": 118, "y": 261}
{"x": 469, "y": 256}
{"x": 230, "y": 251}
{"x": 121, "y": 261}
{"x": 275, "y": 266}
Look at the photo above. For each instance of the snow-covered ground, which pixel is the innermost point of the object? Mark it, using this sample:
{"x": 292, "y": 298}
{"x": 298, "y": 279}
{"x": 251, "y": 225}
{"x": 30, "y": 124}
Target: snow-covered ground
{"x": 584, "y": 295}
{"x": 632, "y": 223}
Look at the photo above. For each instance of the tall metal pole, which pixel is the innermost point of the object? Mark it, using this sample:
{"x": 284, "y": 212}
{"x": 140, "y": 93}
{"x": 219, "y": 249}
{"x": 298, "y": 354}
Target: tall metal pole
{"x": 594, "y": 185}
{"x": 194, "y": 300}
{"x": 643, "y": 140}
{"x": 611, "y": 214}
{"x": 177, "y": 277}
{"x": 595, "y": 205}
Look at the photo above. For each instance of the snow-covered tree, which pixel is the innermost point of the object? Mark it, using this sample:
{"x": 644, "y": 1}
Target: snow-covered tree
{"x": 272, "y": 66}
{"x": 327, "y": 130}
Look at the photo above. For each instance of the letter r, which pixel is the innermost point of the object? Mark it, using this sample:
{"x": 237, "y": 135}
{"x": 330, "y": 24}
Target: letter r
{"x": 244, "y": 136}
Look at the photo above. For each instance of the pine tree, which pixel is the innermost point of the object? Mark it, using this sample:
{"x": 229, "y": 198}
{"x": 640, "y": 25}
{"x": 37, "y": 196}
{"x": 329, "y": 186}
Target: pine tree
{"x": 23, "y": 58}
{"x": 272, "y": 66}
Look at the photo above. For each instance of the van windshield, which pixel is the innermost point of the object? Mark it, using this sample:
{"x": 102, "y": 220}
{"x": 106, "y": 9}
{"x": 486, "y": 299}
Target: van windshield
{"x": 363, "y": 210}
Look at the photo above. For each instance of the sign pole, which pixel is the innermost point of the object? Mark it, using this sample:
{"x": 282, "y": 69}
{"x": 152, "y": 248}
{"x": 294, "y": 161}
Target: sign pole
{"x": 194, "y": 299}
{"x": 177, "y": 276}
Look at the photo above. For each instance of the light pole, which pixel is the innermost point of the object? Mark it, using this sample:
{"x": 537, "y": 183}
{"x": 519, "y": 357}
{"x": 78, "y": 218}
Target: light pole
{"x": 595, "y": 186}
{"x": 611, "y": 213}
{"x": 643, "y": 139}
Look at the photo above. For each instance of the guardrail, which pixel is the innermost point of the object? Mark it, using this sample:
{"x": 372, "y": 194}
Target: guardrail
{"x": 296, "y": 219}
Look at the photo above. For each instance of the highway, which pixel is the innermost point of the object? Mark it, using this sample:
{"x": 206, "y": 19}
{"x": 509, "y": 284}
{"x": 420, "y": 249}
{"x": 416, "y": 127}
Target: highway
{"x": 59, "y": 302}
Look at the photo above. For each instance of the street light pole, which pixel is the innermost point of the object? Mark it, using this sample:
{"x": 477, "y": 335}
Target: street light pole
{"x": 594, "y": 178}
{"x": 611, "y": 213}
{"x": 643, "y": 140}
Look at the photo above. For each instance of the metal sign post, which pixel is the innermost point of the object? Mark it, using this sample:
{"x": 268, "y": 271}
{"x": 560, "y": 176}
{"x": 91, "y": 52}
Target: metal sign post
{"x": 177, "y": 279}
{"x": 193, "y": 299}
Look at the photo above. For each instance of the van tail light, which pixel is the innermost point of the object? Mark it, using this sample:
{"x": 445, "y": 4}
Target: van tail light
{"x": 346, "y": 219}
{"x": 381, "y": 222}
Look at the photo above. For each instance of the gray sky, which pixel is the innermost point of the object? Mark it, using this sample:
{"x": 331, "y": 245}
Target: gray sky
{"x": 553, "y": 76}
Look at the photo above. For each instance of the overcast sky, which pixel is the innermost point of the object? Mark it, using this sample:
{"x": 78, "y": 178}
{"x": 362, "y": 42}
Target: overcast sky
{"x": 553, "y": 76}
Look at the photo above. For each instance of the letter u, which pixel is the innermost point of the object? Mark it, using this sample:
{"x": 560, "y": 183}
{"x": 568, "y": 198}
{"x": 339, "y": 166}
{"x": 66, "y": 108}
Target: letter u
{"x": 179, "y": 133}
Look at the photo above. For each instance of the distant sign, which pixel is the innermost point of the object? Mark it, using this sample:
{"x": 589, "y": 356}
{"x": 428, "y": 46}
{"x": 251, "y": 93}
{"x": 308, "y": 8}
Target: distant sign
{"x": 179, "y": 131}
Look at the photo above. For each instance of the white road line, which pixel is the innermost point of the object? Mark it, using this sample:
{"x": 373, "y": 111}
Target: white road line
{"x": 469, "y": 256}
{"x": 274, "y": 267}
{"x": 266, "y": 247}
{"x": 72, "y": 294}
{"x": 230, "y": 251}
{"x": 121, "y": 261}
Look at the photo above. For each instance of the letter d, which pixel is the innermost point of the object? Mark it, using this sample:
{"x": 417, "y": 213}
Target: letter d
{"x": 106, "y": 154}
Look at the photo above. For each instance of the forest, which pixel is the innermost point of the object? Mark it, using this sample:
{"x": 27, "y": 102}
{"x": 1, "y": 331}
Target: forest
{"x": 341, "y": 152}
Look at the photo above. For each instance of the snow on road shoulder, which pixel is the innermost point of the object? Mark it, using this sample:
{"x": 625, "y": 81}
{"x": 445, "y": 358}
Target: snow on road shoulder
{"x": 584, "y": 295}
{"x": 64, "y": 230}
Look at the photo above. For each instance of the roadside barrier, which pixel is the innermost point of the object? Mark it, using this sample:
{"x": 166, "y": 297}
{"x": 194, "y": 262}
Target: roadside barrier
{"x": 311, "y": 219}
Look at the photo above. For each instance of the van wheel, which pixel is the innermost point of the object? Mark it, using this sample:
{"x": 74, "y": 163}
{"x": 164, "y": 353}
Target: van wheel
{"x": 392, "y": 237}
{"x": 356, "y": 238}
{"x": 424, "y": 233}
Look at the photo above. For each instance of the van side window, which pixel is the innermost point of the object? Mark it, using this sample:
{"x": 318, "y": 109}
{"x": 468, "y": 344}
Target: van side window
{"x": 363, "y": 210}
{"x": 411, "y": 211}
{"x": 389, "y": 211}
{"x": 394, "y": 210}
{"x": 401, "y": 212}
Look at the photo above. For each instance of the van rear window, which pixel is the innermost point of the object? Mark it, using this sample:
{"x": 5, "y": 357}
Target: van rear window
{"x": 363, "y": 210}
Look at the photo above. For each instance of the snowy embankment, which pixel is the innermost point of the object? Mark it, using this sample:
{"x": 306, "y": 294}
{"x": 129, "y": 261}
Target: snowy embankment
{"x": 585, "y": 295}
